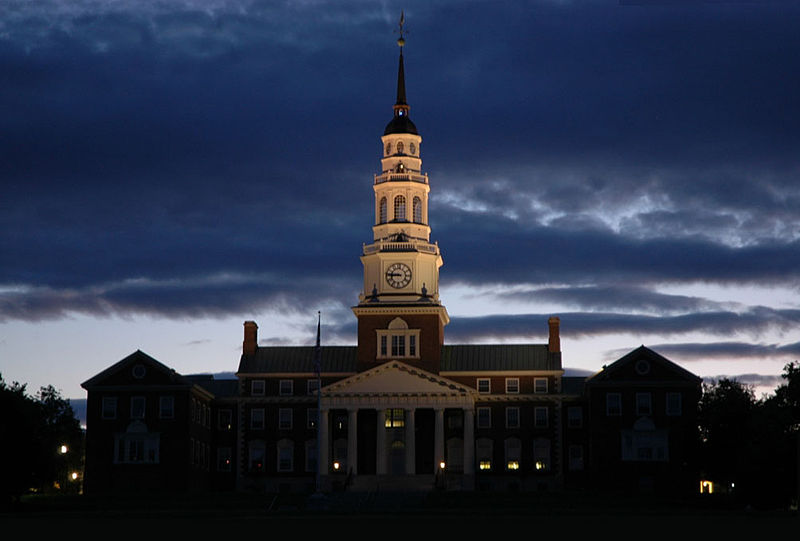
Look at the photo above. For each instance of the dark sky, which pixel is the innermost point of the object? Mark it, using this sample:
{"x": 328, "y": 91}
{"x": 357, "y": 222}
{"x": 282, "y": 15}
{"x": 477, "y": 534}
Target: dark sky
{"x": 630, "y": 166}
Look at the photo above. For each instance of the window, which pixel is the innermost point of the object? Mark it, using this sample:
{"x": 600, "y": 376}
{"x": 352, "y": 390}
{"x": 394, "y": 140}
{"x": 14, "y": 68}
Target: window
{"x": 109, "y": 410}
{"x": 286, "y": 387}
{"x": 613, "y": 404}
{"x": 285, "y": 455}
{"x": 513, "y": 453}
{"x": 395, "y": 418}
{"x": 484, "y": 385}
{"x": 412, "y": 346}
{"x": 311, "y": 386}
{"x": 256, "y": 455}
{"x": 311, "y": 418}
{"x": 223, "y": 459}
{"x": 388, "y": 148}
{"x": 540, "y": 385}
{"x": 417, "y": 209}
{"x": 257, "y": 418}
{"x": 384, "y": 347}
{"x": 137, "y": 407}
{"x": 512, "y": 385}
{"x": 575, "y": 462}
{"x": 382, "y": 211}
{"x": 166, "y": 407}
{"x": 311, "y": 455}
{"x": 541, "y": 454}
{"x": 399, "y": 208}
{"x": 540, "y": 417}
{"x": 643, "y": 404}
{"x": 225, "y": 419}
{"x": 484, "y": 417}
{"x": 575, "y": 417}
{"x": 483, "y": 454}
{"x": 400, "y": 147}
{"x": 455, "y": 419}
{"x": 398, "y": 346}
{"x": 645, "y": 445}
{"x": 285, "y": 418}
{"x": 512, "y": 417}
{"x": 257, "y": 387}
{"x": 674, "y": 404}
{"x": 136, "y": 446}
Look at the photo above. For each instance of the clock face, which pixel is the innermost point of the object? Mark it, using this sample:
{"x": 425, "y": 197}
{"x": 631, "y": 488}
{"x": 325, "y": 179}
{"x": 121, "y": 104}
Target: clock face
{"x": 398, "y": 275}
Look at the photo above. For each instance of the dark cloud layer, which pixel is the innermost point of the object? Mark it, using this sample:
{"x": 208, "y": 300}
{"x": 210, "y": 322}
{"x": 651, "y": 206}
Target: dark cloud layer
{"x": 196, "y": 158}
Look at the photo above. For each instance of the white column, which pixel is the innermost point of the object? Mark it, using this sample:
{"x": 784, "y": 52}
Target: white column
{"x": 380, "y": 454}
{"x": 352, "y": 441}
{"x": 438, "y": 439}
{"x": 469, "y": 442}
{"x": 411, "y": 445}
{"x": 323, "y": 443}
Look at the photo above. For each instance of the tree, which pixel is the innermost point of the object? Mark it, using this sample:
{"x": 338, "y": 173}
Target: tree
{"x": 33, "y": 431}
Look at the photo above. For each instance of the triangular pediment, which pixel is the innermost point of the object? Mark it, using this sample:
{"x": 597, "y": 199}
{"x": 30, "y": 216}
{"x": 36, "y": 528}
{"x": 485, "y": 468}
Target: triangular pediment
{"x": 138, "y": 368}
{"x": 396, "y": 378}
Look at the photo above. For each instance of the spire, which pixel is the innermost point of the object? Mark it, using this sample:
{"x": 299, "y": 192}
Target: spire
{"x": 401, "y": 123}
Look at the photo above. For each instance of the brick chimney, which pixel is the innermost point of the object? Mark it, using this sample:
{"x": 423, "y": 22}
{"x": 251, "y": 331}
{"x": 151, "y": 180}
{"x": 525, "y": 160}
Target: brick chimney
{"x": 554, "y": 343}
{"x": 250, "y": 338}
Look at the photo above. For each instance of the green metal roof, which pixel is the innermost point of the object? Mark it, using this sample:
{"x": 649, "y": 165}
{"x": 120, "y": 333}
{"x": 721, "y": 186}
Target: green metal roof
{"x": 492, "y": 357}
{"x": 287, "y": 359}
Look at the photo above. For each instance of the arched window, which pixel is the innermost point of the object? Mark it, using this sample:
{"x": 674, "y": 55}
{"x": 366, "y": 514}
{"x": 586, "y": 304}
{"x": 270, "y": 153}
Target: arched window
{"x": 399, "y": 147}
{"x": 388, "y": 148}
{"x": 417, "y": 205}
{"x": 399, "y": 208}
{"x": 382, "y": 211}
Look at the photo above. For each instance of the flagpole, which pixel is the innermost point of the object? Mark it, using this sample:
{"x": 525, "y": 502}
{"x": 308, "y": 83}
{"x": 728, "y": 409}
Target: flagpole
{"x": 318, "y": 369}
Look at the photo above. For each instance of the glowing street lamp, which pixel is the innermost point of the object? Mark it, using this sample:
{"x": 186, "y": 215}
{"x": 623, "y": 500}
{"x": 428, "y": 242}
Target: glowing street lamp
{"x": 442, "y": 465}
{"x": 63, "y": 450}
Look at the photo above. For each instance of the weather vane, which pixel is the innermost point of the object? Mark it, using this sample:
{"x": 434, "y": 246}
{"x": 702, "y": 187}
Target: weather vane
{"x": 401, "y": 40}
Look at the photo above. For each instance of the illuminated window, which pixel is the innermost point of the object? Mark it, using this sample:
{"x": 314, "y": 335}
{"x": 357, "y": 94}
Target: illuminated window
{"x": 540, "y": 385}
{"x": 483, "y": 453}
{"x": 540, "y": 417}
{"x": 137, "y": 407}
{"x": 395, "y": 418}
{"x": 706, "y": 487}
{"x": 257, "y": 387}
{"x": 513, "y": 448}
{"x": 484, "y": 385}
{"x": 224, "y": 459}
{"x": 417, "y": 206}
{"x": 643, "y": 404}
{"x": 674, "y": 404}
{"x": 257, "y": 418}
{"x": 382, "y": 211}
{"x": 109, "y": 410}
{"x": 285, "y": 418}
{"x": 541, "y": 454}
{"x": 512, "y": 417}
{"x": 166, "y": 407}
{"x": 613, "y": 404}
{"x": 285, "y": 455}
{"x": 484, "y": 417}
{"x": 512, "y": 385}
{"x": 286, "y": 387}
{"x": 399, "y": 208}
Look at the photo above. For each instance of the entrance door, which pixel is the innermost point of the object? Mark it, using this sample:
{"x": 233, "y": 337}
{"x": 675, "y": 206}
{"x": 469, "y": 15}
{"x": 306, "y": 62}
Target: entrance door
{"x": 397, "y": 458}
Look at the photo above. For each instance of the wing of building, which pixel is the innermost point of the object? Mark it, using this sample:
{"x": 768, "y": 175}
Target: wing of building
{"x": 400, "y": 410}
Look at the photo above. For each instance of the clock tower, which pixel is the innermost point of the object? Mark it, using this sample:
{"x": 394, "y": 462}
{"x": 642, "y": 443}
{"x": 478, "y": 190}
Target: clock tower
{"x": 399, "y": 313}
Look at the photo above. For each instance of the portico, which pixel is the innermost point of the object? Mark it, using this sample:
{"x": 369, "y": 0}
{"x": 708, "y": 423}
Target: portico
{"x": 400, "y": 421}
